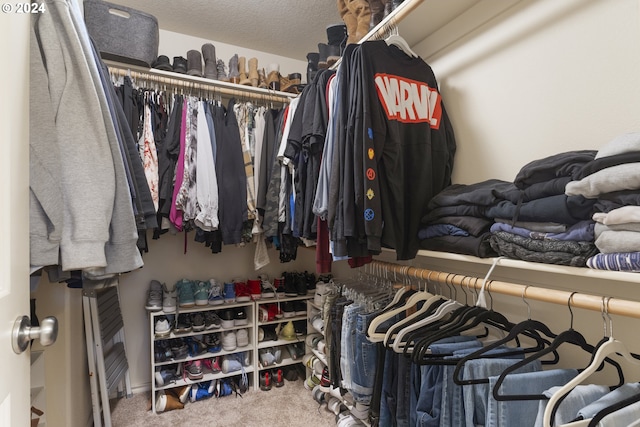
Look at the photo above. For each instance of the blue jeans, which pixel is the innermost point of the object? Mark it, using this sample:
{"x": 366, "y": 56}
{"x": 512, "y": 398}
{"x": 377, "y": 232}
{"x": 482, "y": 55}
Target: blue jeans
{"x": 617, "y": 395}
{"x": 348, "y": 343}
{"x": 451, "y": 408}
{"x": 363, "y": 365}
{"x": 522, "y": 413}
{"x": 568, "y": 409}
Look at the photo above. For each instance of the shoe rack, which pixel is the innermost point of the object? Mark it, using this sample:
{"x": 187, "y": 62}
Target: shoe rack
{"x": 38, "y": 399}
{"x": 281, "y": 343}
{"x": 208, "y": 375}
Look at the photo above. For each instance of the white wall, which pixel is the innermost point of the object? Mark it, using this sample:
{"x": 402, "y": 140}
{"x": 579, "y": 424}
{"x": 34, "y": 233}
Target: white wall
{"x": 167, "y": 262}
{"x": 176, "y": 44}
{"x": 545, "y": 77}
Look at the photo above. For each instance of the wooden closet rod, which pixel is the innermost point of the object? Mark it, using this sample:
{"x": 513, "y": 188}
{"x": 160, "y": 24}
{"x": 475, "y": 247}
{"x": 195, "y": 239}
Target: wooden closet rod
{"x": 588, "y": 302}
{"x": 198, "y": 83}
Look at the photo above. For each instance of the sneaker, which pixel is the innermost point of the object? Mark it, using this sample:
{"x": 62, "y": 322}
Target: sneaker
{"x": 179, "y": 349}
{"x": 325, "y": 380}
{"x": 266, "y": 357}
{"x": 277, "y": 354}
{"x": 213, "y": 343}
{"x": 322, "y": 289}
{"x": 290, "y": 373}
{"x": 278, "y": 284}
{"x": 311, "y": 382}
{"x": 193, "y": 370}
{"x": 277, "y": 377}
{"x": 300, "y": 308}
{"x": 242, "y": 337}
{"x": 154, "y": 298}
{"x": 212, "y": 320}
{"x": 244, "y": 358}
{"x": 268, "y": 333}
{"x": 266, "y": 288}
{"x": 162, "y": 327}
{"x": 243, "y": 383}
{"x": 183, "y": 324}
{"x": 242, "y": 291}
{"x": 201, "y": 292}
{"x": 300, "y": 326}
{"x": 310, "y": 278}
{"x": 169, "y": 297}
{"x": 295, "y": 351}
{"x": 197, "y": 322}
{"x": 263, "y": 314}
{"x": 212, "y": 364}
{"x": 165, "y": 376}
{"x": 255, "y": 289}
{"x": 240, "y": 317}
{"x": 301, "y": 283}
{"x": 196, "y": 346}
{"x": 318, "y": 324}
{"x": 167, "y": 402}
{"x": 161, "y": 351}
{"x": 227, "y": 318}
{"x": 224, "y": 387}
{"x": 185, "y": 293}
{"x": 265, "y": 381}
{"x": 229, "y": 293}
{"x": 229, "y": 341}
{"x": 290, "y": 289}
{"x": 288, "y": 309}
{"x": 230, "y": 364}
{"x": 215, "y": 293}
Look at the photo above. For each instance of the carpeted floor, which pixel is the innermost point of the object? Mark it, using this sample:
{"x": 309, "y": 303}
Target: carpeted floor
{"x": 290, "y": 405}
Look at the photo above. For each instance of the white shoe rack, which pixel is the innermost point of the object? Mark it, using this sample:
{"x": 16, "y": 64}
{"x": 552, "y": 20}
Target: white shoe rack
{"x": 253, "y": 370}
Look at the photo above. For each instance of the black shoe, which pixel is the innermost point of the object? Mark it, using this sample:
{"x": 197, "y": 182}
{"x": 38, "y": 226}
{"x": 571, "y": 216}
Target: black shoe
{"x": 290, "y": 373}
{"x": 227, "y": 317}
{"x": 300, "y": 308}
{"x": 183, "y": 324}
{"x": 162, "y": 63}
{"x": 197, "y": 322}
{"x": 300, "y": 327}
{"x": 287, "y": 309}
{"x": 240, "y": 317}
{"x": 301, "y": 284}
{"x": 290, "y": 289}
{"x": 179, "y": 65}
{"x": 311, "y": 283}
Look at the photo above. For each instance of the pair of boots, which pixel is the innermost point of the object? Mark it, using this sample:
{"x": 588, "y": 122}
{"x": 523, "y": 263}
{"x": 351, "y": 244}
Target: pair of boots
{"x": 238, "y": 71}
{"x": 360, "y": 16}
{"x": 275, "y": 81}
{"x": 194, "y": 62}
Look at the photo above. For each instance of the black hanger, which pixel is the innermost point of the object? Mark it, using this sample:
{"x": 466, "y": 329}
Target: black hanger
{"x": 529, "y": 328}
{"x": 570, "y": 336}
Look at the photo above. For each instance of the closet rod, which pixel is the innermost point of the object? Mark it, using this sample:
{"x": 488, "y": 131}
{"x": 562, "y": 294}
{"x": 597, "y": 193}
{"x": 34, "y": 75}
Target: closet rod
{"x": 198, "y": 83}
{"x": 586, "y": 301}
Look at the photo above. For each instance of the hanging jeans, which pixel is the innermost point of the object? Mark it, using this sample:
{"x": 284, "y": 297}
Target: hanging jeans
{"x": 348, "y": 343}
{"x": 363, "y": 365}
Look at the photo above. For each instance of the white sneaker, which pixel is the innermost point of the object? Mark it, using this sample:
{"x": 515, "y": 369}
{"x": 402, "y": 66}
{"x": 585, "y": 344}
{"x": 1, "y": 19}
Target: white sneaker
{"x": 169, "y": 298}
{"x": 229, "y": 341}
{"x": 242, "y": 337}
{"x": 162, "y": 327}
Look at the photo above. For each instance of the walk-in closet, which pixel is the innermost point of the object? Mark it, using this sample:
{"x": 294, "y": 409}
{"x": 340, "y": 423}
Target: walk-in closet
{"x": 350, "y": 213}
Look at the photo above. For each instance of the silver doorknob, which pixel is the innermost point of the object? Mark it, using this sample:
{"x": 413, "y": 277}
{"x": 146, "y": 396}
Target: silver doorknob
{"x": 23, "y": 332}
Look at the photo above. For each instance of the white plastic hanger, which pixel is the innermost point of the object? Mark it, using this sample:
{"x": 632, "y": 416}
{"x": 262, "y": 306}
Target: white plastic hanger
{"x": 376, "y": 321}
{"x": 609, "y": 347}
{"x": 396, "y": 40}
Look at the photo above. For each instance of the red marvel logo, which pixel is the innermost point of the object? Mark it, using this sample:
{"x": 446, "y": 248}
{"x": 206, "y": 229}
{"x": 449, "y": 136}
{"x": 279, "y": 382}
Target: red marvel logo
{"x": 408, "y": 101}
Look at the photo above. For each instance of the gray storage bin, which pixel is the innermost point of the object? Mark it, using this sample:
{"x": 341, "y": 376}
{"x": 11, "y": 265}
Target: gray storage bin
{"x": 121, "y": 33}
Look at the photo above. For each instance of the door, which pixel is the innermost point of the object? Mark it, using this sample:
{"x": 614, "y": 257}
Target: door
{"x": 14, "y": 213}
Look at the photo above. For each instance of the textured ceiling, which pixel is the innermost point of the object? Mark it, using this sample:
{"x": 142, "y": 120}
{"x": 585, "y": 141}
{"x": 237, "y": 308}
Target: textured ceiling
{"x": 290, "y": 28}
